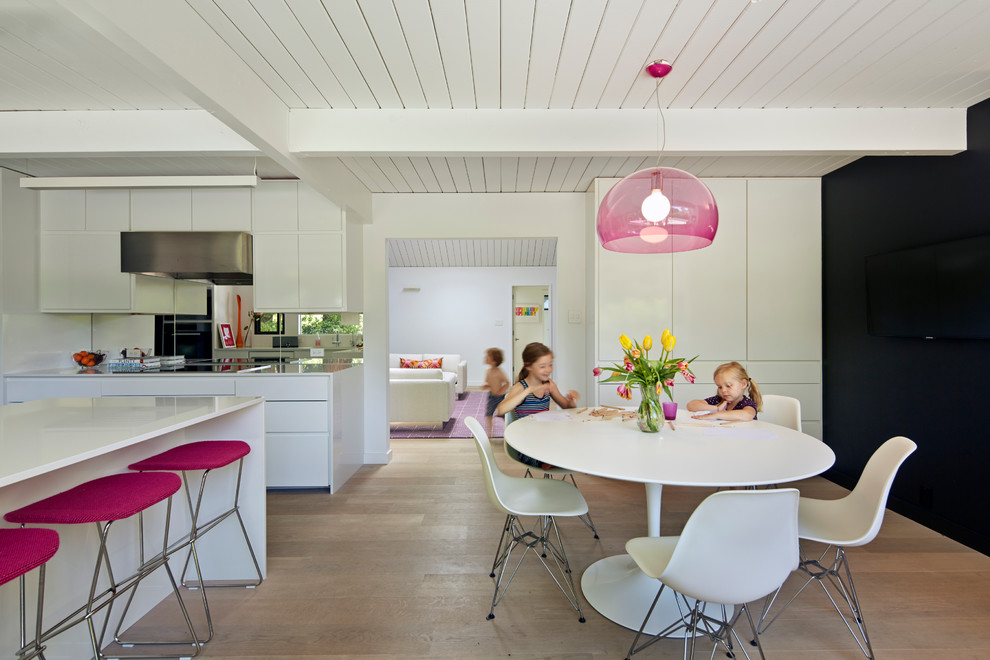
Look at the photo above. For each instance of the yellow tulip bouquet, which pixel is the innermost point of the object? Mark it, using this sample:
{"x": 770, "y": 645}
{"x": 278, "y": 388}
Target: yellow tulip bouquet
{"x": 652, "y": 376}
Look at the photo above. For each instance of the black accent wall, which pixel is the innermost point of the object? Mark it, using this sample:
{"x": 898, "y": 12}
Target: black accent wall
{"x": 936, "y": 392}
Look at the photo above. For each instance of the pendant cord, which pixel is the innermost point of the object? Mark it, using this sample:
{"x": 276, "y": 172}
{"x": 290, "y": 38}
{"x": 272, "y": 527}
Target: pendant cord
{"x": 661, "y": 124}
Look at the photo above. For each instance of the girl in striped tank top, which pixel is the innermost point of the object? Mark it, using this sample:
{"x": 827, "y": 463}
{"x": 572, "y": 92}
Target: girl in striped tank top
{"x": 533, "y": 391}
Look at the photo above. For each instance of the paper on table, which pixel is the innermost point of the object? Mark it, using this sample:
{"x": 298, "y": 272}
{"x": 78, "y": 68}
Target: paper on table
{"x": 742, "y": 432}
{"x": 552, "y": 416}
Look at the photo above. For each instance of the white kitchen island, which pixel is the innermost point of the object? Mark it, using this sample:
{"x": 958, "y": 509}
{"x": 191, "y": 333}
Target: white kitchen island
{"x": 52, "y": 445}
{"x": 314, "y": 419}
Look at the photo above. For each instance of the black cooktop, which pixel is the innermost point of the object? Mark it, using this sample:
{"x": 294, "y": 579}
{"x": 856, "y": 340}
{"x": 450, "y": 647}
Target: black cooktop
{"x": 196, "y": 366}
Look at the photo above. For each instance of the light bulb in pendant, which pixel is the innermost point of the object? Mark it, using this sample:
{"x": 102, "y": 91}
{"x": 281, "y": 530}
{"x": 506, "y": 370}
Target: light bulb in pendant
{"x": 656, "y": 206}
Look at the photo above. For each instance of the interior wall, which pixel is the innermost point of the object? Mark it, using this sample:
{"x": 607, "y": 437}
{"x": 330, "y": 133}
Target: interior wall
{"x": 30, "y": 339}
{"x": 480, "y": 215}
{"x": 457, "y": 310}
{"x": 878, "y": 387}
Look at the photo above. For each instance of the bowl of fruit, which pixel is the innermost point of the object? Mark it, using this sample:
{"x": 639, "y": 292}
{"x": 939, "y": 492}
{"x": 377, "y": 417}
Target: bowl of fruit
{"x": 87, "y": 359}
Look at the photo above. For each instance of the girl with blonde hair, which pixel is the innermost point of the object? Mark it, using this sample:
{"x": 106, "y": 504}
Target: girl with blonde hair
{"x": 738, "y": 397}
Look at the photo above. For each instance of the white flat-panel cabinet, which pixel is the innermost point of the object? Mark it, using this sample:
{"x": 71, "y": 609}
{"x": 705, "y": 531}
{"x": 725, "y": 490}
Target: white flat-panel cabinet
{"x": 300, "y": 272}
{"x": 108, "y": 210}
{"x": 80, "y": 272}
{"x": 710, "y": 288}
{"x": 190, "y": 297}
{"x": 275, "y": 206}
{"x": 155, "y": 209}
{"x": 785, "y": 322}
{"x": 317, "y": 213}
{"x": 221, "y": 209}
{"x": 62, "y": 210}
{"x": 297, "y": 424}
{"x": 276, "y": 272}
{"x": 321, "y": 271}
{"x": 294, "y": 460}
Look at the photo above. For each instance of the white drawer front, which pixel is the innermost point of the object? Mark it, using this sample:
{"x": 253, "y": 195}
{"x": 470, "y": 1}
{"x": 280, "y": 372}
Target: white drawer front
{"x": 147, "y": 385}
{"x": 296, "y": 460}
{"x": 296, "y": 417}
{"x": 284, "y": 388}
{"x": 32, "y": 389}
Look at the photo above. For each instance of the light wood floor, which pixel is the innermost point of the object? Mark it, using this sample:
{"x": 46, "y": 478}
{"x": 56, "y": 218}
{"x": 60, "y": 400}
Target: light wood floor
{"x": 396, "y": 566}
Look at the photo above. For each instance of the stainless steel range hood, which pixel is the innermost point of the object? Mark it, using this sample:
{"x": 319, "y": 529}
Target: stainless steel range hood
{"x": 221, "y": 257}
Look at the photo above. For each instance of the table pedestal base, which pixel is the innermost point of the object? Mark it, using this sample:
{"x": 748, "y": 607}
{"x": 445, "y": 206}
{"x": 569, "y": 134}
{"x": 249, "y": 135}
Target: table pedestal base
{"x": 622, "y": 593}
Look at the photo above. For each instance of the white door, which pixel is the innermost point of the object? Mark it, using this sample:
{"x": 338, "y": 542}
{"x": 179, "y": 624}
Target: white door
{"x": 530, "y": 321}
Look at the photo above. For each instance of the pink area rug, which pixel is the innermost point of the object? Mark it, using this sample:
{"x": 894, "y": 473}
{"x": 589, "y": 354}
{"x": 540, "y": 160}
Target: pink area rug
{"x": 470, "y": 404}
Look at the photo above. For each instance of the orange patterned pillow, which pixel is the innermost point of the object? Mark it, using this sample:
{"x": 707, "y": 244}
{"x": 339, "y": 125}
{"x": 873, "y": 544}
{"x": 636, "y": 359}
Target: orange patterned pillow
{"x": 420, "y": 364}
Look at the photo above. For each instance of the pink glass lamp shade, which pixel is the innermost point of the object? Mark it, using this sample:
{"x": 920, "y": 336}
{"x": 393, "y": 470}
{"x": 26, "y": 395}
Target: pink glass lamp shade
{"x": 657, "y": 210}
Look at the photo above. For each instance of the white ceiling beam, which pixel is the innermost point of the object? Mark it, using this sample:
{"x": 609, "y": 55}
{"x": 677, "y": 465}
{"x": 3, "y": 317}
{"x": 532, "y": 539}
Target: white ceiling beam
{"x": 868, "y": 131}
{"x": 86, "y": 182}
{"x": 119, "y": 133}
{"x": 171, "y": 39}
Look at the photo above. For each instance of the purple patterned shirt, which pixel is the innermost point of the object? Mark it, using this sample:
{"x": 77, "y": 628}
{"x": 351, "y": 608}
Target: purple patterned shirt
{"x": 743, "y": 402}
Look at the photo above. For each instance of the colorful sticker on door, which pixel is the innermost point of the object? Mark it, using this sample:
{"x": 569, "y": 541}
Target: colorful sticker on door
{"x": 527, "y": 311}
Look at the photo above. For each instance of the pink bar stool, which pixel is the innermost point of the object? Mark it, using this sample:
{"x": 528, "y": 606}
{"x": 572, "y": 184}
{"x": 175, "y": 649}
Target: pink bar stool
{"x": 21, "y": 551}
{"x": 206, "y": 455}
{"x": 103, "y": 501}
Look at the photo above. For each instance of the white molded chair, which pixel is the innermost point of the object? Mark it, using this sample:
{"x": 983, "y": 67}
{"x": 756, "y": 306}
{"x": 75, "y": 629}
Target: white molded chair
{"x": 547, "y": 474}
{"x": 737, "y": 546}
{"x": 850, "y": 521}
{"x": 783, "y": 410}
{"x": 517, "y": 496}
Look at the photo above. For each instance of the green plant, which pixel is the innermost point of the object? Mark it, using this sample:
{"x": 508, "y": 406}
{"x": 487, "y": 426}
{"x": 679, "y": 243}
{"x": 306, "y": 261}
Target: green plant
{"x": 324, "y": 324}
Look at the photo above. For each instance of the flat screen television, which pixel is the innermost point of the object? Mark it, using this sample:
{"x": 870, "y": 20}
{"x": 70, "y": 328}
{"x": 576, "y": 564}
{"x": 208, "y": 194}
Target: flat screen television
{"x": 935, "y": 291}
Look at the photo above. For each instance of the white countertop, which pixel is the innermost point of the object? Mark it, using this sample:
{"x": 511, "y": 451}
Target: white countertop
{"x": 316, "y": 368}
{"x": 40, "y": 436}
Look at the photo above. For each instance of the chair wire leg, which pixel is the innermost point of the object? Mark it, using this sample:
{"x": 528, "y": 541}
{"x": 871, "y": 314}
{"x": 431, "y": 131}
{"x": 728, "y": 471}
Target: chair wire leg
{"x": 510, "y": 539}
{"x": 639, "y": 633}
{"x": 586, "y": 518}
{"x": 837, "y": 574}
{"x": 563, "y": 567}
{"x": 770, "y": 600}
{"x": 540, "y": 543}
{"x": 501, "y": 542}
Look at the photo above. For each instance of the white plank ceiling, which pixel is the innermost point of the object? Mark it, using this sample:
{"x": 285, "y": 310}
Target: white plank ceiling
{"x": 372, "y": 55}
{"x": 475, "y": 253}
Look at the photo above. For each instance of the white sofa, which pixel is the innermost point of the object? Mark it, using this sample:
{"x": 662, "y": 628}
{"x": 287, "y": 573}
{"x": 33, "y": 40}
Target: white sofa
{"x": 420, "y": 395}
{"x": 451, "y": 364}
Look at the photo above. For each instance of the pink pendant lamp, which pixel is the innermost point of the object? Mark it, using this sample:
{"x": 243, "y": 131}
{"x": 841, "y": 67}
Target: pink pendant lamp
{"x": 659, "y": 209}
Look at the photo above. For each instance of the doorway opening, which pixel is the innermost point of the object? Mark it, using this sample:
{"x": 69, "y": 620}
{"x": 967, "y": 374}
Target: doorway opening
{"x": 532, "y": 320}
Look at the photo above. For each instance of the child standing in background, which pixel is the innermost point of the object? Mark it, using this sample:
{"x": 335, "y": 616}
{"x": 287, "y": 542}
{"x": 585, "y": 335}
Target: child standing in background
{"x": 533, "y": 391}
{"x": 738, "y": 397}
{"x": 497, "y": 384}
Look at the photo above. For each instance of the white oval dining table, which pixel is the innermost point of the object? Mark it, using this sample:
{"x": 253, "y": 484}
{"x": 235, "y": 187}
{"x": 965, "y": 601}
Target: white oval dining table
{"x": 689, "y": 452}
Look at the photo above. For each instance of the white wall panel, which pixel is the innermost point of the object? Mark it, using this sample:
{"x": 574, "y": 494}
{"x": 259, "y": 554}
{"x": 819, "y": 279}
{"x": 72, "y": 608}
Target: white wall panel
{"x": 785, "y": 269}
{"x": 787, "y": 372}
{"x": 710, "y": 291}
{"x": 635, "y": 298}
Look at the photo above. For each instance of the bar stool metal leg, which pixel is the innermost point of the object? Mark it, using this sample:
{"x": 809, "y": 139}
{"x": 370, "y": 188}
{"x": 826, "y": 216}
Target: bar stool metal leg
{"x": 205, "y": 456}
{"x": 21, "y": 551}
{"x": 103, "y": 501}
